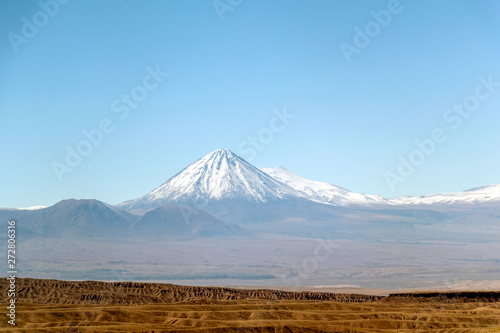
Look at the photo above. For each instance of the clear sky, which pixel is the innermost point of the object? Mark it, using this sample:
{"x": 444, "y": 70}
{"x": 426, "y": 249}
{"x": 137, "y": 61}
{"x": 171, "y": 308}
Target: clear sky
{"x": 68, "y": 68}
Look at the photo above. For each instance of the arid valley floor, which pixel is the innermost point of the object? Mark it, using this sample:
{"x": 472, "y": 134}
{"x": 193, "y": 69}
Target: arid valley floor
{"x": 89, "y": 306}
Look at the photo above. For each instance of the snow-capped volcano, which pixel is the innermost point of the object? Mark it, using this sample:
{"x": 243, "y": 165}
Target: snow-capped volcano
{"x": 223, "y": 175}
{"x": 218, "y": 175}
{"x": 320, "y": 191}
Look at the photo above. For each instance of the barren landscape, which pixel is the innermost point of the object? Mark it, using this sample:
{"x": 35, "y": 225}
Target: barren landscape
{"x": 250, "y": 166}
{"x": 90, "y": 306}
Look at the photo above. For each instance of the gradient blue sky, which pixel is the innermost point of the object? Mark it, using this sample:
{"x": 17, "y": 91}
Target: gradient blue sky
{"x": 353, "y": 120}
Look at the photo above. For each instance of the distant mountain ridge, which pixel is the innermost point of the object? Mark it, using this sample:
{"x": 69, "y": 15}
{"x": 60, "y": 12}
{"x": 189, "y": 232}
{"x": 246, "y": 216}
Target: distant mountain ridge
{"x": 95, "y": 219}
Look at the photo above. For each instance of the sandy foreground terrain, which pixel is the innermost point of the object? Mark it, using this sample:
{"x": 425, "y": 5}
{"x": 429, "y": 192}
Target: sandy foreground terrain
{"x": 90, "y": 306}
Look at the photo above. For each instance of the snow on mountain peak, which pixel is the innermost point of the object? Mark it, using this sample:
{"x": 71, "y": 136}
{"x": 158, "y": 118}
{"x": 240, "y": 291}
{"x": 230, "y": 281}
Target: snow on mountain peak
{"x": 320, "y": 191}
{"x": 476, "y": 195}
{"x": 218, "y": 175}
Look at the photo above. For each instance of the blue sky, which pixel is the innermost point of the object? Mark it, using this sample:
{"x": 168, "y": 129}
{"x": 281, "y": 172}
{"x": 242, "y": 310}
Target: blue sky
{"x": 353, "y": 120}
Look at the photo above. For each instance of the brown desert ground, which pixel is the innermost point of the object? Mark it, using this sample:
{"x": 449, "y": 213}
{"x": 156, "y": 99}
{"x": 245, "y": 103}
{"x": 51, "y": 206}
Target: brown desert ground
{"x": 90, "y": 306}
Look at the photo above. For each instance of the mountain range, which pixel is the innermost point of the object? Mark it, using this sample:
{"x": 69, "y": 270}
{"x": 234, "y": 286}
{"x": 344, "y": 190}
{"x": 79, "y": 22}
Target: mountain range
{"x": 221, "y": 194}
{"x": 222, "y": 175}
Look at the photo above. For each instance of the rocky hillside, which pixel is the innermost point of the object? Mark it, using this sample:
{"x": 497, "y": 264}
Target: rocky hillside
{"x": 135, "y": 293}
{"x": 94, "y": 292}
